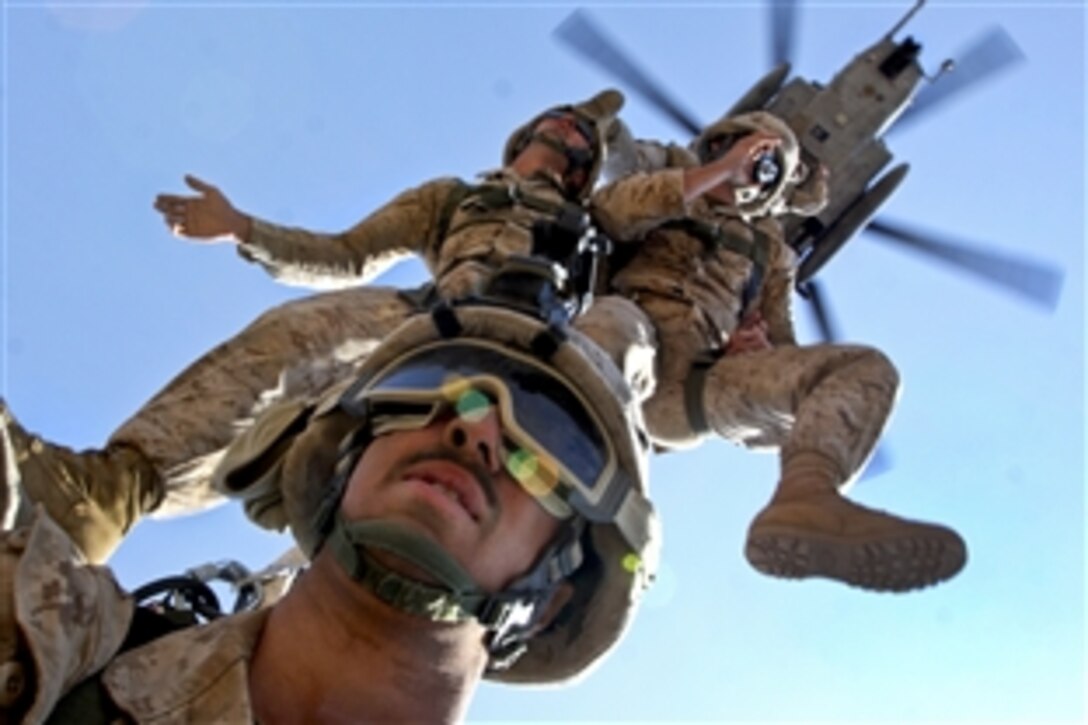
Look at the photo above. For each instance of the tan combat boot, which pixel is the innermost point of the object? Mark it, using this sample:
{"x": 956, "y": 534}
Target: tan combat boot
{"x": 96, "y": 496}
{"x": 809, "y": 530}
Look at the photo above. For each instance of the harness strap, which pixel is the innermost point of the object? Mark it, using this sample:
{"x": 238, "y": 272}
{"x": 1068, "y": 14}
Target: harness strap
{"x": 714, "y": 237}
{"x": 494, "y": 197}
{"x": 449, "y": 206}
{"x": 694, "y": 387}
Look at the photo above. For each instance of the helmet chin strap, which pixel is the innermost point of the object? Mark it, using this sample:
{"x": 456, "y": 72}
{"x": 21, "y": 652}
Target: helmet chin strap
{"x": 508, "y": 616}
{"x": 454, "y": 599}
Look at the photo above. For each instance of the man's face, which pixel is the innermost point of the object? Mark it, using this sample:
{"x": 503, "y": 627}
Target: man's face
{"x": 573, "y": 133}
{"x": 564, "y": 127}
{"x": 446, "y": 482}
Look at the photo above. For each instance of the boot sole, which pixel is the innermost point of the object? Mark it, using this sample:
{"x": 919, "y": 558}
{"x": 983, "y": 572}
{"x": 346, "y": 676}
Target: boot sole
{"x": 896, "y": 563}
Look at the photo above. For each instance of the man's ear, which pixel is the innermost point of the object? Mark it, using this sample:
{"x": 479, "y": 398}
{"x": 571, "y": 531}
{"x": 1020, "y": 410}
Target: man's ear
{"x": 560, "y": 597}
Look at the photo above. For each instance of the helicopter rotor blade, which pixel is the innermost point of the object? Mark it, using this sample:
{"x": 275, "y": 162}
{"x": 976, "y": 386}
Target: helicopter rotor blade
{"x": 821, "y": 313}
{"x": 1039, "y": 283}
{"x": 783, "y": 22}
{"x": 993, "y": 52}
{"x": 586, "y": 38}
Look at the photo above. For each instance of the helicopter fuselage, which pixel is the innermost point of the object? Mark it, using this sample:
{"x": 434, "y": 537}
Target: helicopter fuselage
{"x": 840, "y": 126}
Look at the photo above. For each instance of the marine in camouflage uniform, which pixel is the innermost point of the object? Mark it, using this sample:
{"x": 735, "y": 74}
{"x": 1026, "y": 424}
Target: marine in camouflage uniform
{"x": 522, "y": 595}
{"x": 160, "y": 460}
{"x": 709, "y": 269}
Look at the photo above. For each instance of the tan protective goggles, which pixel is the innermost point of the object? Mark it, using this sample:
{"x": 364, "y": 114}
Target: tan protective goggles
{"x": 552, "y": 442}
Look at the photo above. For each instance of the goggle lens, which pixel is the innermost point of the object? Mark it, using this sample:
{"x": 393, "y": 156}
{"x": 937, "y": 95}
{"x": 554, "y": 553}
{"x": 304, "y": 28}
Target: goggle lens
{"x": 551, "y": 442}
{"x": 582, "y": 126}
{"x": 535, "y": 470}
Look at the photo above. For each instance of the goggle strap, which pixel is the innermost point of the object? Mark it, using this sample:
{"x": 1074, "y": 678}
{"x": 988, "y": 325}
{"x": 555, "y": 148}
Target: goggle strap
{"x": 548, "y": 341}
{"x": 566, "y": 561}
{"x": 445, "y": 320}
{"x": 631, "y": 517}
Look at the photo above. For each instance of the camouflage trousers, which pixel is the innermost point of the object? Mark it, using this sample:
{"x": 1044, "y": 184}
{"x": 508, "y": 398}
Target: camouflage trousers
{"x": 830, "y": 399}
{"x": 294, "y": 350}
{"x": 298, "y": 350}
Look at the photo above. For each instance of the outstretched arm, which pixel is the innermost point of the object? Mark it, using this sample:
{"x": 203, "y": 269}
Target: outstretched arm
{"x": 407, "y": 225}
{"x": 208, "y": 216}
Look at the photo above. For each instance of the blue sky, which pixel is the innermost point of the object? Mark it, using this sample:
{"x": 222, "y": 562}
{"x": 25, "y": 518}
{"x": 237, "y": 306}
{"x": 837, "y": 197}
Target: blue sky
{"x": 315, "y": 114}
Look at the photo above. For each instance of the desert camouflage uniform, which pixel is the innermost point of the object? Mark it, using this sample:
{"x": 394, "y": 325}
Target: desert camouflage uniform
{"x": 697, "y": 270}
{"x": 161, "y": 459}
{"x": 64, "y": 620}
{"x": 299, "y": 348}
{"x": 828, "y": 398}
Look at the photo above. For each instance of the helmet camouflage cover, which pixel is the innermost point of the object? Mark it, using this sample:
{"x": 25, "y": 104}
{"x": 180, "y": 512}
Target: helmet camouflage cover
{"x": 599, "y": 111}
{"x": 797, "y": 190}
{"x": 293, "y": 489}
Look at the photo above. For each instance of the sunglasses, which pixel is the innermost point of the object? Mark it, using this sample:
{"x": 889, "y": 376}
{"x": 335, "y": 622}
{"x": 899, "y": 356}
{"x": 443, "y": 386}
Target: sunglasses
{"x": 582, "y": 126}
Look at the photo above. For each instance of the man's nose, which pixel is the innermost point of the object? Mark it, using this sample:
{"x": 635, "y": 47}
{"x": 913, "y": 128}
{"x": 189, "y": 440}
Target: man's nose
{"x": 478, "y": 435}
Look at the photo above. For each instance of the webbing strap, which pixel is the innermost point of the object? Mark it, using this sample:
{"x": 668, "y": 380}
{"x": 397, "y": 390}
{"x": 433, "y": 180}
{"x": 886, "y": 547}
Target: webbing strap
{"x": 693, "y": 393}
{"x": 495, "y": 197}
{"x": 715, "y": 237}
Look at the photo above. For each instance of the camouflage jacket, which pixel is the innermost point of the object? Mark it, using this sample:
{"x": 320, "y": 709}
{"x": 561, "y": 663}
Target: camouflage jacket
{"x": 646, "y": 208}
{"x": 481, "y": 228}
{"x": 64, "y": 620}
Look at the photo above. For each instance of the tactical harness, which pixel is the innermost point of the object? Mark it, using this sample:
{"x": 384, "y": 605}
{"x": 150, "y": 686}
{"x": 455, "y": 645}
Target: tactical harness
{"x": 498, "y": 197}
{"x": 714, "y": 237}
{"x": 564, "y": 237}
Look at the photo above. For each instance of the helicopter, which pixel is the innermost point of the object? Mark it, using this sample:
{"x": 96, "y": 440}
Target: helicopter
{"x": 841, "y": 125}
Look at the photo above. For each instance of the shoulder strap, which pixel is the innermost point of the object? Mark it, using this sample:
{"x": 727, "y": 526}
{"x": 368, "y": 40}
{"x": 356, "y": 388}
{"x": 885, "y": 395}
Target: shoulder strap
{"x": 458, "y": 194}
{"x": 714, "y": 237}
{"x": 496, "y": 197}
{"x": 762, "y": 243}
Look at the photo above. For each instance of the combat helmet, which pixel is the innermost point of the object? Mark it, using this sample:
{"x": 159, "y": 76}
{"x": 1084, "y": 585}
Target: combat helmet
{"x": 776, "y": 195}
{"x": 608, "y": 550}
{"x": 597, "y": 113}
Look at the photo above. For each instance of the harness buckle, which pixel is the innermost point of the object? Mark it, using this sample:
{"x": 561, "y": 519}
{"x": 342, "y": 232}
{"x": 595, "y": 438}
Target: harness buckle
{"x": 499, "y": 615}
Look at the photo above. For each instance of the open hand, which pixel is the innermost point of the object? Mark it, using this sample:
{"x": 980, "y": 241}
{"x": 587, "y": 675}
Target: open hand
{"x": 750, "y": 336}
{"x": 209, "y": 215}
